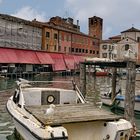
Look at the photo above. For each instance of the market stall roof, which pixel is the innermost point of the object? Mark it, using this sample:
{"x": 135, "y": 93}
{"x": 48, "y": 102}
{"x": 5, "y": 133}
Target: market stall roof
{"x": 59, "y": 64}
{"x": 44, "y": 58}
{"x": 8, "y": 56}
{"x": 69, "y": 61}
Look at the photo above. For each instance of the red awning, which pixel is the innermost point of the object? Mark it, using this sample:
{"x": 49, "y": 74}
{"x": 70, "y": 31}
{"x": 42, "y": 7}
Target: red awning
{"x": 78, "y": 59}
{"x": 59, "y": 63}
{"x": 8, "y": 56}
{"x": 69, "y": 60}
{"x": 44, "y": 58}
{"x": 27, "y": 57}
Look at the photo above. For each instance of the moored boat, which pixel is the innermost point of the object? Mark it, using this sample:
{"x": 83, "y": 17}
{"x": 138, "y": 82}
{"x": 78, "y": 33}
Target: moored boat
{"x": 118, "y": 103}
{"x": 49, "y": 113}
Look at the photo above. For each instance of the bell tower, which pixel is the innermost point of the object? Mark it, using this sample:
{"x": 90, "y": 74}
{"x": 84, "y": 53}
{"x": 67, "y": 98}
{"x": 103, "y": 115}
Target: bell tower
{"x": 95, "y": 27}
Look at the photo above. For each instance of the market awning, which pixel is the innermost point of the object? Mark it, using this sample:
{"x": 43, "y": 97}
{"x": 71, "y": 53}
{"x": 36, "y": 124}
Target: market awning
{"x": 59, "y": 63}
{"x": 27, "y": 57}
{"x": 8, "y": 56}
{"x": 44, "y": 58}
{"x": 69, "y": 61}
{"x": 78, "y": 59}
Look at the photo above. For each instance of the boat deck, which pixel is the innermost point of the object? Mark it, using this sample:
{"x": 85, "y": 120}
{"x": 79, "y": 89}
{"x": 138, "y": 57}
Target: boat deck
{"x": 71, "y": 113}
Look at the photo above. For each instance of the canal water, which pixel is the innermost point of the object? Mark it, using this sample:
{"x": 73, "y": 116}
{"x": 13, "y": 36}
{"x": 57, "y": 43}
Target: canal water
{"x": 95, "y": 86}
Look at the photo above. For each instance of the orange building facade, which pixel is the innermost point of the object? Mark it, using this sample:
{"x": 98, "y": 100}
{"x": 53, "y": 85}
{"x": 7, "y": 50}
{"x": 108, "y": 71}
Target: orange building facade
{"x": 63, "y": 36}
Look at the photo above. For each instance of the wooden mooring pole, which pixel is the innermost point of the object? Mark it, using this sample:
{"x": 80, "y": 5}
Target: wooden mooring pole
{"x": 114, "y": 77}
{"x": 130, "y": 92}
{"x": 83, "y": 78}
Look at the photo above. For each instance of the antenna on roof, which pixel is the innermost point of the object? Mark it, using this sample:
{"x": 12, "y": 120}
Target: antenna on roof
{"x": 132, "y": 25}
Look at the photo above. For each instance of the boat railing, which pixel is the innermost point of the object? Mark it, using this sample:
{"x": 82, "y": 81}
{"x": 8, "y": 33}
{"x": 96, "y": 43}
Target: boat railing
{"x": 79, "y": 93}
{"x": 25, "y": 83}
{"x": 56, "y": 84}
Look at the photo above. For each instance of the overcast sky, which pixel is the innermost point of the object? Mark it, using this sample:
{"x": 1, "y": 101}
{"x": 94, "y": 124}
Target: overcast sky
{"x": 118, "y": 15}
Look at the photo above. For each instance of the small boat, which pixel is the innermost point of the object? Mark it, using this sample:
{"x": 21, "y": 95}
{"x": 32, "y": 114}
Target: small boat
{"x": 98, "y": 72}
{"x": 118, "y": 102}
{"x": 50, "y": 113}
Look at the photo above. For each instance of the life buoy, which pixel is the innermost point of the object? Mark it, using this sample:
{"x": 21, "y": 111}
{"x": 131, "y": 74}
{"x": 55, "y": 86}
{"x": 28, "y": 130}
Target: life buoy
{"x": 50, "y": 99}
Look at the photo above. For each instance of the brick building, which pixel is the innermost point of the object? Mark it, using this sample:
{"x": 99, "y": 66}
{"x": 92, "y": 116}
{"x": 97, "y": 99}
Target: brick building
{"x": 63, "y": 36}
{"x": 59, "y": 35}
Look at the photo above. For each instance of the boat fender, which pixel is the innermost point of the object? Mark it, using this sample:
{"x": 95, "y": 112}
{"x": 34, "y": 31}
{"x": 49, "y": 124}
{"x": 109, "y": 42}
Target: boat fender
{"x": 16, "y": 96}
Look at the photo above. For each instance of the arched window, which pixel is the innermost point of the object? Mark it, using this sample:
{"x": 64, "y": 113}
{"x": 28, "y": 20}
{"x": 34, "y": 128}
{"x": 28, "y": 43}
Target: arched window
{"x": 126, "y": 47}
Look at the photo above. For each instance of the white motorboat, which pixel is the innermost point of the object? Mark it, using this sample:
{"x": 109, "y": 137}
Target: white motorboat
{"x": 49, "y": 113}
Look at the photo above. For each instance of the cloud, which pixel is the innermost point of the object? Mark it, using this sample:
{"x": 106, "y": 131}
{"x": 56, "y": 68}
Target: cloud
{"x": 29, "y": 13}
{"x": 118, "y": 15}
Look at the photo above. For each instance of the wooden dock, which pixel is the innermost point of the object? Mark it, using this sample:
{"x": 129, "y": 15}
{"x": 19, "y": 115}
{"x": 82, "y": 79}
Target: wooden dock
{"x": 71, "y": 113}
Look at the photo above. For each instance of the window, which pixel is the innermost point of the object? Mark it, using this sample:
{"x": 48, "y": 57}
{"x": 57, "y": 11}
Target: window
{"x": 55, "y": 47}
{"x": 138, "y": 39}
{"x": 83, "y": 50}
{"x": 91, "y": 22}
{"x": 47, "y": 47}
{"x": 59, "y": 48}
{"x": 55, "y": 36}
{"x": 90, "y": 51}
{"x": 104, "y": 47}
{"x": 48, "y": 34}
{"x": 93, "y": 52}
{"x": 97, "y": 52}
{"x": 86, "y": 51}
{"x": 65, "y": 49}
{"x": 72, "y": 49}
{"x": 104, "y": 55}
{"x": 76, "y": 49}
{"x": 126, "y": 47}
{"x": 80, "y": 50}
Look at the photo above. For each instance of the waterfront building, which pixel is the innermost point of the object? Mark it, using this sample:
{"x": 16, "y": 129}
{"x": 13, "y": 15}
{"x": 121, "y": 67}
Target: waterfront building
{"x": 63, "y": 36}
{"x": 59, "y": 35}
{"x": 129, "y": 44}
{"x": 122, "y": 46}
{"x": 108, "y": 47}
{"x": 19, "y": 33}
{"x": 57, "y": 45}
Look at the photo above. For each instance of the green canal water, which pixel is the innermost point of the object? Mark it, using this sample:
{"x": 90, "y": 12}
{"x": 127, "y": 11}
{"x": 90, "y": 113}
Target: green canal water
{"x": 95, "y": 86}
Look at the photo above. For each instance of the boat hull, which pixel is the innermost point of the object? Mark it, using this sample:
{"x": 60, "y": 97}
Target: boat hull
{"x": 23, "y": 131}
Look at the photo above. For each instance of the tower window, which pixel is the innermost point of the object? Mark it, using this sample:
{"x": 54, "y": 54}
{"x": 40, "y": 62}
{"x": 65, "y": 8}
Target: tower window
{"x": 91, "y": 22}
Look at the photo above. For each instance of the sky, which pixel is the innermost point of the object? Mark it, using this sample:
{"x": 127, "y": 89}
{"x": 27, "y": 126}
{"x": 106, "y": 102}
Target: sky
{"x": 118, "y": 15}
